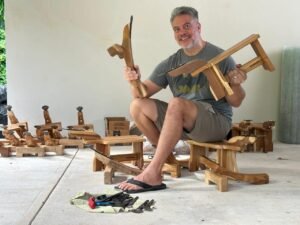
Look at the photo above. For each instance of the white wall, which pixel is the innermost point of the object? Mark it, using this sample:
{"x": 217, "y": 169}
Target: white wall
{"x": 56, "y": 52}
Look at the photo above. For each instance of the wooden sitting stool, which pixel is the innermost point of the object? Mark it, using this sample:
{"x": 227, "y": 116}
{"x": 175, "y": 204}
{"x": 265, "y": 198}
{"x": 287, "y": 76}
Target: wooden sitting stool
{"x": 103, "y": 147}
{"x": 53, "y": 128}
{"x": 262, "y": 132}
{"x": 225, "y": 166}
{"x": 173, "y": 166}
{"x": 15, "y": 125}
{"x": 81, "y": 126}
{"x": 218, "y": 83}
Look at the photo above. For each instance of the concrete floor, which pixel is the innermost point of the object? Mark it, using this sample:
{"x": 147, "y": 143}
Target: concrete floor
{"x": 37, "y": 190}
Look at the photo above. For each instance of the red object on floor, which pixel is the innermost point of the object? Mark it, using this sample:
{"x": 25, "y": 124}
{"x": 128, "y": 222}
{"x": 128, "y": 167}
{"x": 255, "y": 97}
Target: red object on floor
{"x": 92, "y": 203}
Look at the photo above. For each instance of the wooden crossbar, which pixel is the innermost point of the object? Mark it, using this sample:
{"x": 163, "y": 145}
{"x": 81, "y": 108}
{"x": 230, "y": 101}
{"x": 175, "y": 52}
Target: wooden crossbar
{"x": 262, "y": 57}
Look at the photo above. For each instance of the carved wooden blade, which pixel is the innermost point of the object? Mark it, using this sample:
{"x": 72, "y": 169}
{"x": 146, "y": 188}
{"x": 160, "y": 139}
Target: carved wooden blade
{"x": 187, "y": 68}
{"x": 125, "y": 51}
{"x": 127, "y": 46}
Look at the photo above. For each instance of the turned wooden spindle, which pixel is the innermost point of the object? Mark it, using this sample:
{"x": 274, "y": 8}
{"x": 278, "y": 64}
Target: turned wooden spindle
{"x": 46, "y": 114}
{"x": 80, "y": 115}
{"x": 11, "y": 115}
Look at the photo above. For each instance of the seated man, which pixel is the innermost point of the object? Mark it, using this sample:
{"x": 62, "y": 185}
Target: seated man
{"x": 192, "y": 113}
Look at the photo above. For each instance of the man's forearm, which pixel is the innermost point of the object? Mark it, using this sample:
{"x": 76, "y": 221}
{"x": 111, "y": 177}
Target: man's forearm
{"x": 238, "y": 95}
{"x": 138, "y": 90}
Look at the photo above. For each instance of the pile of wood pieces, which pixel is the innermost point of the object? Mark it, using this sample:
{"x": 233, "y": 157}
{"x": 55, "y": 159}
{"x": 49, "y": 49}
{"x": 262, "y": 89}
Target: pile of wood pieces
{"x": 262, "y": 132}
{"x": 48, "y": 138}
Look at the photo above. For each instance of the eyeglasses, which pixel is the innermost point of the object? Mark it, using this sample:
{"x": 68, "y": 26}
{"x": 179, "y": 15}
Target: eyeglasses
{"x": 186, "y": 27}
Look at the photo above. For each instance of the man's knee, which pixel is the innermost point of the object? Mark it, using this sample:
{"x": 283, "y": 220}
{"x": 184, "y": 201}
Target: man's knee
{"x": 135, "y": 106}
{"x": 144, "y": 106}
{"x": 176, "y": 104}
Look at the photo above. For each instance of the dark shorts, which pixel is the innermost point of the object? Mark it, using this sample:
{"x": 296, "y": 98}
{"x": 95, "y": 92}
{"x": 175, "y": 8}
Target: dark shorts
{"x": 209, "y": 126}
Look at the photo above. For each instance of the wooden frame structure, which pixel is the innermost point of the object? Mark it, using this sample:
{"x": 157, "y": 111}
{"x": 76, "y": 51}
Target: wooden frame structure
{"x": 218, "y": 84}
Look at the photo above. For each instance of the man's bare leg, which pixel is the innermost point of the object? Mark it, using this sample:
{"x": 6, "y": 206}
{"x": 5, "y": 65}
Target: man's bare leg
{"x": 144, "y": 114}
{"x": 180, "y": 114}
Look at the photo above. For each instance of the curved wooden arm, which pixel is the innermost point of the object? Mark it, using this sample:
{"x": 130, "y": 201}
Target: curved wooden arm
{"x": 125, "y": 51}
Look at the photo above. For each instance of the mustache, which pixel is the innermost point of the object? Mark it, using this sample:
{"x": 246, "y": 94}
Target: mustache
{"x": 184, "y": 36}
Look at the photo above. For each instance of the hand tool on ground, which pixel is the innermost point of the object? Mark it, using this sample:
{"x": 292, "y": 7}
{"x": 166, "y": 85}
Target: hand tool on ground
{"x": 120, "y": 199}
{"x": 146, "y": 205}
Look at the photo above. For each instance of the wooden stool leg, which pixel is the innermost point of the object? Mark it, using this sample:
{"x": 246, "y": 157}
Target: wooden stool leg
{"x": 138, "y": 150}
{"x": 220, "y": 181}
{"x": 97, "y": 165}
{"x": 259, "y": 144}
{"x": 195, "y": 153}
{"x": 173, "y": 169}
{"x": 268, "y": 142}
{"x": 227, "y": 159}
{"x": 108, "y": 174}
{"x": 105, "y": 150}
{"x": 172, "y": 166}
{"x": 5, "y": 152}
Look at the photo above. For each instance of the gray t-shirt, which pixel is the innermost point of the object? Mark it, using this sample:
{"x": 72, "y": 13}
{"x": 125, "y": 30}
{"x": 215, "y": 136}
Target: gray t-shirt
{"x": 193, "y": 88}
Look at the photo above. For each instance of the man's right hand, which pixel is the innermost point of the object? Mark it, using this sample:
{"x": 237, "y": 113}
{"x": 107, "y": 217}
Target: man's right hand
{"x": 132, "y": 74}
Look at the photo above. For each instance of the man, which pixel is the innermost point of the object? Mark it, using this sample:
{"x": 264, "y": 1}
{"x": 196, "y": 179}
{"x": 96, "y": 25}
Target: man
{"x": 193, "y": 113}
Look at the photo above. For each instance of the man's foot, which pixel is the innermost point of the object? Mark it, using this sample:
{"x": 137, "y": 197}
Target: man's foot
{"x": 142, "y": 186}
{"x": 145, "y": 181}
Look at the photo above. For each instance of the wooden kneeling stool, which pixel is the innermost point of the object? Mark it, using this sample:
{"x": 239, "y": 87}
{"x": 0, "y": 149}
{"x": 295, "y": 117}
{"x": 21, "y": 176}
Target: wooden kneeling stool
{"x": 173, "y": 166}
{"x": 225, "y": 166}
{"x": 103, "y": 146}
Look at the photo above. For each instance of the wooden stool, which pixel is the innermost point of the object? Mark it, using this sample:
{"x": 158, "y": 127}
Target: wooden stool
{"x": 218, "y": 83}
{"x": 81, "y": 126}
{"x": 262, "y": 132}
{"x": 225, "y": 166}
{"x": 103, "y": 146}
{"x": 19, "y": 127}
{"x": 173, "y": 166}
{"x": 112, "y": 166}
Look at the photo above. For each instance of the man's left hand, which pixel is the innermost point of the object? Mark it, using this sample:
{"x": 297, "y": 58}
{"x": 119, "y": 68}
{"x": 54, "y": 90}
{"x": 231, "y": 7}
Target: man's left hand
{"x": 237, "y": 76}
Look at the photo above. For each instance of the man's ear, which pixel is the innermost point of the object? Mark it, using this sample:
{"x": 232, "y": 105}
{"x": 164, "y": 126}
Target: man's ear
{"x": 199, "y": 26}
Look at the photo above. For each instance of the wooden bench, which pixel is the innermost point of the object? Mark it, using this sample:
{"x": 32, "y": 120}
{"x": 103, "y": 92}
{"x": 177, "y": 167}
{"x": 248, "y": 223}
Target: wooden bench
{"x": 225, "y": 166}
